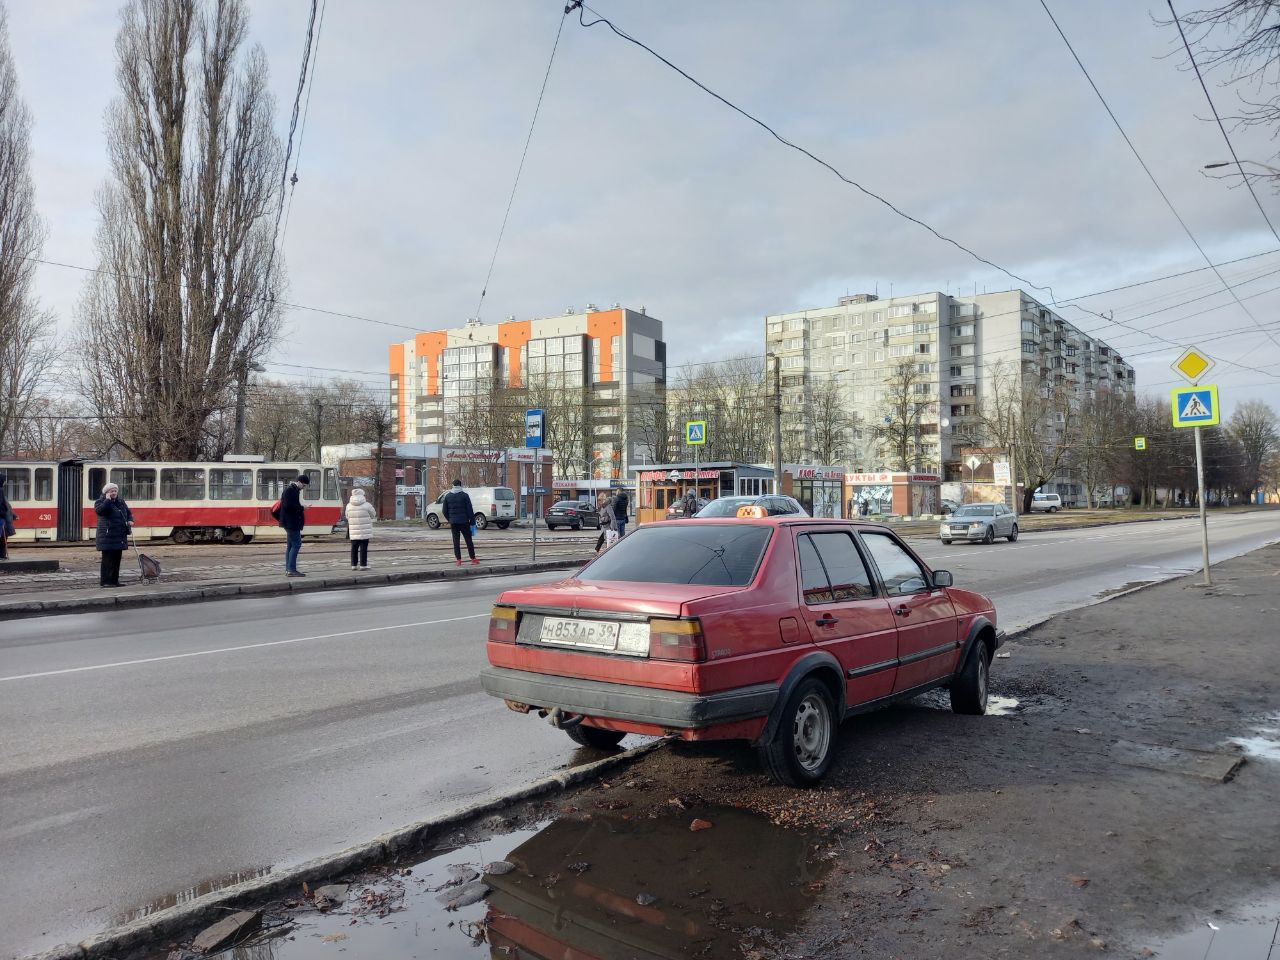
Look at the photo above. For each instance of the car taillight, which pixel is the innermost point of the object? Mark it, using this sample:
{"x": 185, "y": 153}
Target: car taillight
{"x": 493, "y": 508}
{"x": 676, "y": 640}
{"x": 502, "y": 624}
{"x": 572, "y": 513}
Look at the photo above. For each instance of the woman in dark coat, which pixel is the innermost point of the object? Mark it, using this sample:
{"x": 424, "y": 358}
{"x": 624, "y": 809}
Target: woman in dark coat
{"x": 114, "y": 520}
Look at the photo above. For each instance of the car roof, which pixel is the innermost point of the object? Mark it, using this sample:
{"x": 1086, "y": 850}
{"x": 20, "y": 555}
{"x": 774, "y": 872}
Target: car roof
{"x": 786, "y": 519}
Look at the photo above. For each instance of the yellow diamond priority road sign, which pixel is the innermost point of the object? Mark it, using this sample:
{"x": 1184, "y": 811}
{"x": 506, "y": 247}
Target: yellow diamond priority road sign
{"x": 1192, "y": 365}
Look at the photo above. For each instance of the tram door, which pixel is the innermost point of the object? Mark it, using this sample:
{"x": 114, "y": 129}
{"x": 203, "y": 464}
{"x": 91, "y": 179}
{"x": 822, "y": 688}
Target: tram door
{"x": 70, "y": 521}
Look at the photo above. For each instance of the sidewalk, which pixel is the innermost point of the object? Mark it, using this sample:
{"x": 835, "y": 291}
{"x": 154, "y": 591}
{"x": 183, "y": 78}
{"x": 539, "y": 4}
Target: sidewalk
{"x": 257, "y": 571}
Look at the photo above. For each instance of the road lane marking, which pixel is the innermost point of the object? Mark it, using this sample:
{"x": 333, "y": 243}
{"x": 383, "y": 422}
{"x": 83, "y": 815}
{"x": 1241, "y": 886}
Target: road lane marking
{"x": 245, "y": 646}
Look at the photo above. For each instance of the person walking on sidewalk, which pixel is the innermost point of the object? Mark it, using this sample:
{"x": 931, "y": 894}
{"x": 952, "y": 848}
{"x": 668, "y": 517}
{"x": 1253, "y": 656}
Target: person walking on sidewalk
{"x": 461, "y": 515}
{"x": 360, "y": 516}
{"x": 292, "y": 519}
{"x": 115, "y": 520}
{"x": 620, "y": 504}
{"x": 7, "y": 520}
{"x": 609, "y": 520}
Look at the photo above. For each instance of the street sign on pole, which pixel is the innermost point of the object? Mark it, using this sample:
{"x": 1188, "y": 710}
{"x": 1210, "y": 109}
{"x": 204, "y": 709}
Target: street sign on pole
{"x": 695, "y": 433}
{"x": 1139, "y": 443}
{"x": 534, "y": 428}
{"x": 1192, "y": 365}
{"x": 1196, "y": 406}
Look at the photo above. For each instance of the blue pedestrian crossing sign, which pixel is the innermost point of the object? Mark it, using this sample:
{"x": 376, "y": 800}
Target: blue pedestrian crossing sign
{"x": 695, "y": 433}
{"x": 1196, "y": 407}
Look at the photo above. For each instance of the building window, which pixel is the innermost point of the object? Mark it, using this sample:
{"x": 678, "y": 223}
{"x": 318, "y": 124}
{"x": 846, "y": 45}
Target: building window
{"x": 962, "y": 330}
{"x": 899, "y": 351}
{"x": 924, "y": 348}
{"x": 878, "y": 356}
{"x": 901, "y": 310}
{"x": 1028, "y": 346}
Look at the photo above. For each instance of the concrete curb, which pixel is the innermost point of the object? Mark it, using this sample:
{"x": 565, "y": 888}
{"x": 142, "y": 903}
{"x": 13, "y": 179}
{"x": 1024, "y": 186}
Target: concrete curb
{"x": 18, "y": 609}
{"x": 177, "y": 920}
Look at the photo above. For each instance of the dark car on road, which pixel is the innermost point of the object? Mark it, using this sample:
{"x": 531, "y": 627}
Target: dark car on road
{"x": 676, "y": 510}
{"x": 775, "y": 505}
{"x": 766, "y": 629}
{"x": 572, "y": 514}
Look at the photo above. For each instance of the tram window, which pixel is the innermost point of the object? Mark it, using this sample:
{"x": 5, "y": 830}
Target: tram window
{"x": 18, "y": 481}
{"x": 230, "y": 484}
{"x": 271, "y": 483}
{"x": 330, "y": 483}
{"x": 312, "y": 490}
{"x": 136, "y": 483}
{"x": 182, "y": 483}
{"x": 97, "y": 480}
{"x": 44, "y": 483}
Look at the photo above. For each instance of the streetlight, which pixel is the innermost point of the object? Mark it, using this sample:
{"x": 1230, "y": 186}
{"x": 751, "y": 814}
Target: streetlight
{"x": 1231, "y": 163}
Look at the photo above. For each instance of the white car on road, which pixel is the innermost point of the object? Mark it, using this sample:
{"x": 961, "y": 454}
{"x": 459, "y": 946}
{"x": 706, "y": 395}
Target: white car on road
{"x": 1048, "y": 502}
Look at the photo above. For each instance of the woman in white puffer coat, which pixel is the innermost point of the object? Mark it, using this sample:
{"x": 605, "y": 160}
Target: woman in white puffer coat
{"x": 360, "y": 516}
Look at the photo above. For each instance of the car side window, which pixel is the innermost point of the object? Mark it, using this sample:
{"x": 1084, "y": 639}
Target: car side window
{"x": 850, "y": 579}
{"x": 898, "y": 569}
{"x": 813, "y": 576}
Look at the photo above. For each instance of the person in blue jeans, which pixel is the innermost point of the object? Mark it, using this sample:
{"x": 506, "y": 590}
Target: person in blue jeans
{"x": 620, "y": 504}
{"x": 292, "y": 520}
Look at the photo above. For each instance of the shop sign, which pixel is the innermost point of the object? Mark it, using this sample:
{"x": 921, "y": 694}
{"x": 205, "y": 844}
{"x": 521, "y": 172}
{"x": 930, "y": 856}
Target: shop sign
{"x": 407, "y": 490}
{"x": 659, "y": 476}
{"x": 526, "y": 455}
{"x": 564, "y": 484}
{"x": 462, "y": 455}
{"x": 925, "y": 478}
{"x": 813, "y": 473}
{"x": 868, "y": 478}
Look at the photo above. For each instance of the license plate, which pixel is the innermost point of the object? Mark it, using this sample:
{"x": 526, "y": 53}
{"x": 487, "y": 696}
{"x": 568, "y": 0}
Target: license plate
{"x": 598, "y": 634}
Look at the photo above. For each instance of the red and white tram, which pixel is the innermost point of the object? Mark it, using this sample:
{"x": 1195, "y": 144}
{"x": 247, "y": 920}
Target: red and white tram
{"x": 228, "y": 501}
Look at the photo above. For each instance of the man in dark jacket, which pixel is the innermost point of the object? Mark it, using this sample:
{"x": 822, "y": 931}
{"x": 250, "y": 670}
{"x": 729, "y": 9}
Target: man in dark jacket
{"x": 620, "y": 504}
{"x": 292, "y": 518}
{"x": 458, "y": 511}
{"x": 7, "y": 519}
{"x": 114, "y": 521}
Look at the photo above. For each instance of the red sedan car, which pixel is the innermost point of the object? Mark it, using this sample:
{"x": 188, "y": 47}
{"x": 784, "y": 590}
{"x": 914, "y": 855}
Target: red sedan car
{"x": 766, "y": 629}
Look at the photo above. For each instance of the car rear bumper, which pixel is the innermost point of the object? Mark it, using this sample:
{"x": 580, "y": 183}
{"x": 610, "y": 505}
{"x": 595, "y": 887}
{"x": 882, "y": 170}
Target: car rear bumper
{"x": 620, "y": 701}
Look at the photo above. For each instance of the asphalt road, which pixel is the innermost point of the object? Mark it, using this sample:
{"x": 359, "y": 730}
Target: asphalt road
{"x": 150, "y": 754}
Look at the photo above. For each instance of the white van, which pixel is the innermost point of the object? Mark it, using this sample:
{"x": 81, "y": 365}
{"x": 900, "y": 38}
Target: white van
{"x": 496, "y": 505}
{"x": 1049, "y": 502}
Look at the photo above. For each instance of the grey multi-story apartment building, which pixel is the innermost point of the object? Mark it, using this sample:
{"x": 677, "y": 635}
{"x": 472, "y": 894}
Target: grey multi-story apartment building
{"x": 593, "y": 370}
{"x": 959, "y": 346}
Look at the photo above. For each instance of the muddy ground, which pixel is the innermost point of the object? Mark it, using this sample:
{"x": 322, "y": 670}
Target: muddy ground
{"x": 1105, "y": 813}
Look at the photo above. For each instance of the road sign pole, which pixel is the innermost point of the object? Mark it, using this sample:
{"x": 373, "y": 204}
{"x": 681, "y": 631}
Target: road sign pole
{"x": 1204, "y": 520}
{"x": 537, "y": 500}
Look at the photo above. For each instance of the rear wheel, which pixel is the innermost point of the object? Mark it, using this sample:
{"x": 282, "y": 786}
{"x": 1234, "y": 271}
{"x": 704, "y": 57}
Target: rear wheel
{"x": 503, "y": 524}
{"x": 969, "y": 689}
{"x": 481, "y": 521}
{"x": 1053, "y": 509}
{"x": 594, "y": 736}
{"x": 181, "y": 535}
{"x": 433, "y": 521}
{"x": 551, "y": 526}
{"x": 990, "y": 535}
{"x": 235, "y": 535}
{"x": 1013, "y": 534}
{"x": 802, "y": 747}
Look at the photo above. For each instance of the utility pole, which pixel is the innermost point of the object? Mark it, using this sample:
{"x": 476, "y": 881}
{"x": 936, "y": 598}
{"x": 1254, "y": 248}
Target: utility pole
{"x": 777, "y": 424}
{"x": 319, "y": 427}
{"x": 242, "y": 377}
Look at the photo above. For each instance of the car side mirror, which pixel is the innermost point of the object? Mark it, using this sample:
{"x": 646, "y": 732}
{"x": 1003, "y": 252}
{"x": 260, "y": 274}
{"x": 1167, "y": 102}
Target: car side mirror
{"x": 943, "y": 578}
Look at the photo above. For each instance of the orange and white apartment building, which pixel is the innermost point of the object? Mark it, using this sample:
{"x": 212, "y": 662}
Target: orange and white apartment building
{"x": 615, "y": 357}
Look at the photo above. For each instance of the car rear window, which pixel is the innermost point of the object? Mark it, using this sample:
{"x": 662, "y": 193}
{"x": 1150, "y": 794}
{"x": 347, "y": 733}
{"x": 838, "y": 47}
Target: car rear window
{"x": 718, "y": 555}
{"x": 725, "y": 506}
{"x": 503, "y": 493}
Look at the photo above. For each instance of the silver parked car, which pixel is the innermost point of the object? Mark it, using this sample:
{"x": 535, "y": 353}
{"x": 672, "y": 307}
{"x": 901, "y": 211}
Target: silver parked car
{"x": 981, "y": 522}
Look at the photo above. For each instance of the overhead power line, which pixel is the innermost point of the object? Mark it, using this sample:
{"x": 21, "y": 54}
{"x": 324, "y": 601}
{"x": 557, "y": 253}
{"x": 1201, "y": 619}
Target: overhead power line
{"x": 799, "y": 149}
{"x": 306, "y": 112}
{"x": 523, "y": 154}
{"x": 1146, "y": 169}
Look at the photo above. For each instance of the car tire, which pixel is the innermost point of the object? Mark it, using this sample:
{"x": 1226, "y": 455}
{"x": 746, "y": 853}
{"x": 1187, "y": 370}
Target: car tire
{"x": 481, "y": 521}
{"x": 947, "y": 542}
{"x": 577, "y": 526}
{"x": 503, "y": 524}
{"x": 551, "y": 526}
{"x": 1013, "y": 534}
{"x": 1053, "y": 509}
{"x": 594, "y": 737}
{"x": 803, "y": 745}
{"x": 433, "y": 521}
{"x": 990, "y": 536}
{"x": 969, "y": 689}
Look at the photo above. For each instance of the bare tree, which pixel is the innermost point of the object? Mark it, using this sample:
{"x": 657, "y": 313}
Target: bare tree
{"x": 1034, "y": 421}
{"x": 908, "y": 397}
{"x": 1254, "y": 427}
{"x": 833, "y": 424}
{"x": 1100, "y": 436}
{"x": 26, "y": 341}
{"x": 186, "y": 295}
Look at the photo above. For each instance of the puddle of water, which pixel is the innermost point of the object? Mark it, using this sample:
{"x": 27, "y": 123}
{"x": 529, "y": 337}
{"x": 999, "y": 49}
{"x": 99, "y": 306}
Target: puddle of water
{"x": 186, "y": 896}
{"x": 1266, "y": 744}
{"x": 1255, "y": 938}
{"x": 996, "y": 706}
{"x": 1003, "y": 706}
{"x": 598, "y": 887}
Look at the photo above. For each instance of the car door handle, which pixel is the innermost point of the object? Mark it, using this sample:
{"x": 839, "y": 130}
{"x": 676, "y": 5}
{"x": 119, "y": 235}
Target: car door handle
{"x": 903, "y": 610}
{"x": 826, "y": 620}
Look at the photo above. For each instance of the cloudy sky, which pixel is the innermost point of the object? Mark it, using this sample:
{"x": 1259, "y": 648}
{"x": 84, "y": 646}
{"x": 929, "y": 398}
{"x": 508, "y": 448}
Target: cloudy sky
{"x": 641, "y": 189}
